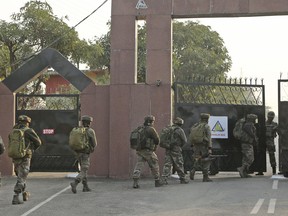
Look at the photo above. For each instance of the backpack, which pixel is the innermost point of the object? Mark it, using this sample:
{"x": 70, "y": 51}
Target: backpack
{"x": 237, "y": 130}
{"x": 16, "y": 143}
{"x": 197, "y": 133}
{"x": 78, "y": 138}
{"x": 166, "y": 137}
{"x": 137, "y": 138}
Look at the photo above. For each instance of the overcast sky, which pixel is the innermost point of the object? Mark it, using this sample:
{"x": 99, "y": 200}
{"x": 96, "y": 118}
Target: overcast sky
{"x": 257, "y": 45}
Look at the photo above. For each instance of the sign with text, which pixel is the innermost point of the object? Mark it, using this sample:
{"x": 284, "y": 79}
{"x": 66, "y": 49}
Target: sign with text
{"x": 48, "y": 131}
{"x": 219, "y": 127}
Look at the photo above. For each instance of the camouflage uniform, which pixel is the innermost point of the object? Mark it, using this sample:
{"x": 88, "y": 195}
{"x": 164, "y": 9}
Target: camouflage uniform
{"x": 173, "y": 156}
{"x": 22, "y": 165}
{"x": 248, "y": 141}
{"x": 2, "y": 149}
{"x": 271, "y": 133}
{"x": 83, "y": 156}
{"x": 147, "y": 153}
{"x": 202, "y": 150}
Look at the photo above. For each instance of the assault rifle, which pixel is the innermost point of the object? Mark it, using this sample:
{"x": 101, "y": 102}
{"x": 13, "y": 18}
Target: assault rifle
{"x": 211, "y": 157}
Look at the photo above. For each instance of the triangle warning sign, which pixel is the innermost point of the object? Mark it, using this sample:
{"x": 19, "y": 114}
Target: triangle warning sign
{"x": 141, "y": 5}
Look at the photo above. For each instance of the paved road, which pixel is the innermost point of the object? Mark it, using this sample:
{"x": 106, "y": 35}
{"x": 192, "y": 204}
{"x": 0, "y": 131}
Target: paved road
{"x": 228, "y": 194}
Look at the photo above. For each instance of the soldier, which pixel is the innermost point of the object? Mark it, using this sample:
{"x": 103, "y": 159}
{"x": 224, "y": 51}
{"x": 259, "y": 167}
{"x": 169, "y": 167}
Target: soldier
{"x": 83, "y": 156}
{"x": 147, "y": 153}
{"x": 173, "y": 156}
{"x": 271, "y": 133}
{"x": 22, "y": 165}
{"x": 202, "y": 149}
{"x": 2, "y": 149}
{"x": 248, "y": 141}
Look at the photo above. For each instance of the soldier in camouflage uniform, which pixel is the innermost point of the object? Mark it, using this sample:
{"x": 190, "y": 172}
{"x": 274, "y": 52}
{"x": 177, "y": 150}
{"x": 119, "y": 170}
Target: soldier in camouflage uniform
{"x": 271, "y": 132}
{"x": 83, "y": 156}
{"x": 173, "y": 156}
{"x": 248, "y": 141}
{"x": 147, "y": 153}
{"x": 22, "y": 165}
{"x": 202, "y": 150}
{"x": 2, "y": 149}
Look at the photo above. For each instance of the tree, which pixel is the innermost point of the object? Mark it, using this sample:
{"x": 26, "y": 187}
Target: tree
{"x": 198, "y": 51}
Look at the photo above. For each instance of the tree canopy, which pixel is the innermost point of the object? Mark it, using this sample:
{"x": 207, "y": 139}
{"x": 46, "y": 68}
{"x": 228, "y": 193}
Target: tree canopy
{"x": 197, "y": 49}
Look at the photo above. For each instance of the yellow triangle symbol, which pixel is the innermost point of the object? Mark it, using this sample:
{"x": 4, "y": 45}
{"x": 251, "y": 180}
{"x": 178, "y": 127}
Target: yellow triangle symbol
{"x": 141, "y": 5}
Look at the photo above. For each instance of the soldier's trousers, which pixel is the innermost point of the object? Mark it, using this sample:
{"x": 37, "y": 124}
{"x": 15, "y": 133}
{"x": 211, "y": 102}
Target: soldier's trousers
{"x": 21, "y": 169}
{"x": 173, "y": 159}
{"x": 271, "y": 151}
{"x": 84, "y": 162}
{"x": 247, "y": 154}
{"x": 151, "y": 158}
{"x": 199, "y": 151}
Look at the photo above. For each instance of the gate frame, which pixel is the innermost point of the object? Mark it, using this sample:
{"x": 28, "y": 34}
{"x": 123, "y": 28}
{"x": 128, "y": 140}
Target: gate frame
{"x": 259, "y": 164}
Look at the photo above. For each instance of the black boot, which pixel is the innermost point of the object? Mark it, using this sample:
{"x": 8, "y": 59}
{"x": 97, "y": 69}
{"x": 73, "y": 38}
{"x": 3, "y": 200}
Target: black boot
{"x": 158, "y": 183}
{"x": 74, "y": 185}
{"x": 85, "y": 187}
{"x": 241, "y": 172}
{"x": 26, "y": 195}
{"x": 192, "y": 174}
{"x": 136, "y": 183}
{"x": 183, "y": 181}
{"x": 16, "y": 200}
{"x": 206, "y": 178}
{"x": 274, "y": 170}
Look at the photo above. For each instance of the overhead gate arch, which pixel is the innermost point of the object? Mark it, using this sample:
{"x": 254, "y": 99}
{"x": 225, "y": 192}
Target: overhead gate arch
{"x": 231, "y": 99}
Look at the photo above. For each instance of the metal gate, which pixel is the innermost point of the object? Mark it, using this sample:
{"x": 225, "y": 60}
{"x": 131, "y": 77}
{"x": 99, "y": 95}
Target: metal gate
{"x": 228, "y": 100}
{"x": 283, "y": 125}
{"x": 53, "y": 117}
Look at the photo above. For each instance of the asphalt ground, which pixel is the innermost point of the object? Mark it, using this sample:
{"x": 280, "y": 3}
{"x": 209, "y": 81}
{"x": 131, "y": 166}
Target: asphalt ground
{"x": 51, "y": 195}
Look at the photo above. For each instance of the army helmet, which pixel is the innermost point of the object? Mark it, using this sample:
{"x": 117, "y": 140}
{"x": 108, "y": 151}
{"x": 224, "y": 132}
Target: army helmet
{"x": 24, "y": 118}
{"x": 86, "y": 118}
{"x": 251, "y": 116}
{"x": 149, "y": 118}
{"x": 178, "y": 121}
{"x": 271, "y": 114}
{"x": 204, "y": 115}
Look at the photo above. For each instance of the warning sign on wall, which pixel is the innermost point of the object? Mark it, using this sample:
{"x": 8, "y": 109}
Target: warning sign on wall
{"x": 219, "y": 127}
{"x": 141, "y": 5}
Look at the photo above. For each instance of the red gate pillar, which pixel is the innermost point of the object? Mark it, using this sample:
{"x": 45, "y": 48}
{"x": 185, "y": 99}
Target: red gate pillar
{"x": 131, "y": 102}
{"x": 7, "y": 115}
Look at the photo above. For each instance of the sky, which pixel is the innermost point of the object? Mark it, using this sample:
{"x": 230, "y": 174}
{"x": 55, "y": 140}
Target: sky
{"x": 258, "y": 46}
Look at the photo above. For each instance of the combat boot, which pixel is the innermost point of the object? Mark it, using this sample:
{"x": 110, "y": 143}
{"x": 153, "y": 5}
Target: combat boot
{"x": 206, "y": 178}
{"x": 241, "y": 172}
{"x": 164, "y": 181}
{"x": 136, "y": 183}
{"x": 246, "y": 171}
{"x": 85, "y": 187}
{"x": 183, "y": 181}
{"x": 26, "y": 195}
{"x": 192, "y": 173}
{"x": 274, "y": 170}
{"x": 158, "y": 183}
{"x": 74, "y": 185}
{"x": 16, "y": 200}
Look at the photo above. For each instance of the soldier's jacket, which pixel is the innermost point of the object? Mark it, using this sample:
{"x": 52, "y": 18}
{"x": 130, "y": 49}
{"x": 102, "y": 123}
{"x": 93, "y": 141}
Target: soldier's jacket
{"x": 271, "y": 129}
{"x": 250, "y": 133}
{"x": 92, "y": 139}
{"x": 207, "y": 137}
{"x": 152, "y": 138}
{"x": 2, "y": 146}
{"x": 180, "y": 138}
{"x": 32, "y": 140}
